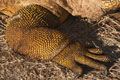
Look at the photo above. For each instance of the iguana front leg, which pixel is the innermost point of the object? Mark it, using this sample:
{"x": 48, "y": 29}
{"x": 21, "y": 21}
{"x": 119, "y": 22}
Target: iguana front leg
{"x": 80, "y": 53}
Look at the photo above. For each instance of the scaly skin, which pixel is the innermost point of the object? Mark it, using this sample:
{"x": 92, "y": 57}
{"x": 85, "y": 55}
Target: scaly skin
{"x": 30, "y": 32}
{"x": 110, "y": 5}
{"x": 30, "y": 21}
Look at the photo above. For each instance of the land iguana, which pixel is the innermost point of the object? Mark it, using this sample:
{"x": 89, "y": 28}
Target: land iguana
{"x": 30, "y": 31}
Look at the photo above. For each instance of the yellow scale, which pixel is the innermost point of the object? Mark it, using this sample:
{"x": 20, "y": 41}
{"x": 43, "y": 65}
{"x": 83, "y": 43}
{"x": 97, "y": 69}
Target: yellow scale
{"x": 111, "y": 4}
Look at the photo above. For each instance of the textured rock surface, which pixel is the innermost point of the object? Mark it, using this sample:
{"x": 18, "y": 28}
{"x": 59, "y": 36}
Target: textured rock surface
{"x": 92, "y": 9}
{"x": 84, "y": 8}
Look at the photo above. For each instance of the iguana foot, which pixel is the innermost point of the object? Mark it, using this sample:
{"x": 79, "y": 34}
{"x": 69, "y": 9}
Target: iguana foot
{"x": 83, "y": 54}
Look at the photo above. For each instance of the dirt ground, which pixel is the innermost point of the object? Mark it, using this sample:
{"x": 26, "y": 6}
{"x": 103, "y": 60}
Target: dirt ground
{"x": 104, "y": 34}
